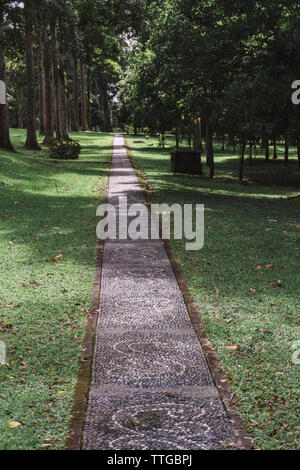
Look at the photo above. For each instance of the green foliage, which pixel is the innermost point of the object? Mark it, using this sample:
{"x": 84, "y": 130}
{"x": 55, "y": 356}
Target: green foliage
{"x": 232, "y": 63}
{"x": 65, "y": 150}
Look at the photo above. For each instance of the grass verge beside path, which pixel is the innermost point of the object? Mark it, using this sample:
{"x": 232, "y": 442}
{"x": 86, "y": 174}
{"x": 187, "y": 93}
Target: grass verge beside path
{"x": 245, "y": 281}
{"x": 47, "y": 259}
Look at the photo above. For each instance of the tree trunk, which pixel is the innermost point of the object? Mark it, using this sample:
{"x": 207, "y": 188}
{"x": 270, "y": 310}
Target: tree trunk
{"x": 242, "y": 159}
{"x": 209, "y": 145}
{"x": 102, "y": 90}
{"x": 42, "y": 92}
{"x": 76, "y": 126}
{"x": 275, "y": 155}
{"x": 20, "y": 117}
{"x": 286, "y": 152}
{"x": 49, "y": 121}
{"x": 298, "y": 151}
{"x": 251, "y": 154}
{"x": 89, "y": 110}
{"x": 63, "y": 105}
{"x": 5, "y": 142}
{"x": 58, "y": 126}
{"x": 177, "y": 137}
{"x": 223, "y": 142}
{"x": 267, "y": 150}
{"x": 84, "y": 121}
{"x": 198, "y": 136}
{"x": 231, "y": 142}
{"x": 31, "y": 142}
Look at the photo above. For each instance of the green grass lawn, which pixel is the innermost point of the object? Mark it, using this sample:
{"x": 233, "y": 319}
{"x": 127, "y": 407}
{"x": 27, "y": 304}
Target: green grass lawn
{"x": 246, "y": 279}
{"x": 47, "y": 258}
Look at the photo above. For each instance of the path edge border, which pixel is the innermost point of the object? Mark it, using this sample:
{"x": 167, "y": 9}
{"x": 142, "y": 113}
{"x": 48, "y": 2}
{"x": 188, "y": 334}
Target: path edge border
{"x": 74, "y": 437}
{"x": 220, "y": 378}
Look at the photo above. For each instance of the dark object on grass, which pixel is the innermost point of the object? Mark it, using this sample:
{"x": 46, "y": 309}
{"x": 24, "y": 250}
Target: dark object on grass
{"x": 186, "y": 161}
{"x": 65, "y": 150}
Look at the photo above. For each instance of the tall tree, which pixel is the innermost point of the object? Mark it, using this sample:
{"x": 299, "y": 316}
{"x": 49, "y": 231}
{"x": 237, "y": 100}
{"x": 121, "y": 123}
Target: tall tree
{"x": 49, "y": 120}
{"x": 31, "y": 141}
{"x": 76, "y": 125}
{"x": 84, "y": 119}
{"x": 5, "y": 142}
{"x": 56, "y": 79}
{"x": 42, "y": 89}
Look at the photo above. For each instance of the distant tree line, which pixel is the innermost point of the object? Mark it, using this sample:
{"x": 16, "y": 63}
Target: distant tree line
{"x": 217, "y": 67}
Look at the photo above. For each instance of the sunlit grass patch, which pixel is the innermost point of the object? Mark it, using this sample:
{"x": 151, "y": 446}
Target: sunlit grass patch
{"x": 47, "y": 252}
{"x": 246, "y": 279}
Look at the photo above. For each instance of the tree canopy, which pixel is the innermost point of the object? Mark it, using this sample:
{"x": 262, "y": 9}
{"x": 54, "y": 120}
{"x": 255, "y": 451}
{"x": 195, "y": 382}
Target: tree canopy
{"x": 220, "y": 66}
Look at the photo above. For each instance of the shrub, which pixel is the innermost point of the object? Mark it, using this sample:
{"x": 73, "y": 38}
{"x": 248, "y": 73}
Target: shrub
{"x": 65, "y": 150}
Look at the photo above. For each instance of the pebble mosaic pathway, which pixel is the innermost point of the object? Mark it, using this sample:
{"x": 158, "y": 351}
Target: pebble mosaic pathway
{"x": 151, "y": 386}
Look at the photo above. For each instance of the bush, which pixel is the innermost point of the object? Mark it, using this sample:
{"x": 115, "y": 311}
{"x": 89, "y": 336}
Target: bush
{"x": 65, "y": 150}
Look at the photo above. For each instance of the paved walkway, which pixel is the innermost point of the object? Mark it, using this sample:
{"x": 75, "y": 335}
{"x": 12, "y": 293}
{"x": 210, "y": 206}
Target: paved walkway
{"x": 151, "y": 386}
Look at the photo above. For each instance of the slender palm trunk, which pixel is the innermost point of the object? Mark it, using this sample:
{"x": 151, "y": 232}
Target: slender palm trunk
{"x": 84, "y": 121}
{"x": 275, "y": 155}
{"x": 198, "y": 136}
{"x": 58, "y": 126}
{"x": 210, "y": 149}
{"x": 286, "y": 151}
{"x": 177, "y": 137}
{"x": 76, "y": 125}
{"x": 242, "y": 160}
{"x": 102, "y": 90}
{"x": 251, "y": 154}
{"x": 223, "y": 142}
{"x": 298, "y": 151}
{"x": 267, "y": 150}
{"x": 89, "y": 110}
{"x": 5, "y": 142}
{"x": 31, "y": 142}
{"x": 20, "y": 116}
{"x": 42, "y": 92}
{"x": 63, "y": 104}
{"x": 49, "y": 121}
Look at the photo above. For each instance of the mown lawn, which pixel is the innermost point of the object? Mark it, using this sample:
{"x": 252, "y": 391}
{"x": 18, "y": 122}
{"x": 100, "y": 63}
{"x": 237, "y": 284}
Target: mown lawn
{"x": 246, "y": 279}
{"x": 47, "y": 258}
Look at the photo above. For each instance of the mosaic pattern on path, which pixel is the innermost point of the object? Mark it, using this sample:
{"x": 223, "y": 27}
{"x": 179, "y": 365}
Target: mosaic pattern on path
{"x": 151, "y": 386}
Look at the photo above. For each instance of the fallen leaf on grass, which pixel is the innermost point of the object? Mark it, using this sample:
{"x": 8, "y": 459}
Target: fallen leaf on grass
{"x": 14, "y": 425}
{"x": 56, "y": 259}
{"x": 236, "y": 347}
{"x": 269, "y": 266}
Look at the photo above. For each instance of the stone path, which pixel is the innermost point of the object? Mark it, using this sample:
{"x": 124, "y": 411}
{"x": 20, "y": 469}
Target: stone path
{"x": 151, "y": 387}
